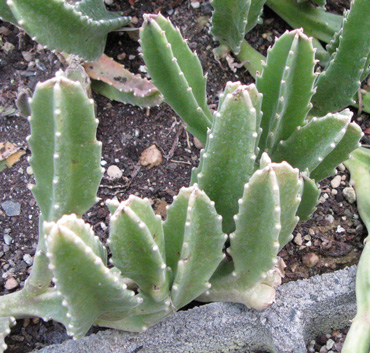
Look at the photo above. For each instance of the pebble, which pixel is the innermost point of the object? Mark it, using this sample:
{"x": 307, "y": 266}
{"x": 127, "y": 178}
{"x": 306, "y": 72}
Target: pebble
{"x": 340, "y": 229}
{"x": 330, "y": 344}
{"x": 11, "y": 208}
{"x": 7, "y": 239}
{"x": 341, "y": 167}
{"x": 298, "y": 239}
{"x": 151, "y": 157}
{"x": 172, "y": 166}
{"x": 310, "y": 259}
{"x": 27, "y": 55}
{"x": 8, "y": 47}
{"x": 4, "y": 30}
{"x": 11, "y": 283}
{"x": 195, "y": 4}
{"x": 114, "y": 172}
{"x": 347, "y": 213}
{"x": 329, "y": 218}
{"x": 350, "y": 194}
{"x": 27, "y": 258}
{"x": 103, "y": 226}
{"x": 121, "y": 56}
{"x": 336, "y": 181}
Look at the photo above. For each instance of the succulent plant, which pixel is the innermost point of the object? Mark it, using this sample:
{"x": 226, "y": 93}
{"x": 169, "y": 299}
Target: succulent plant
{"x": 185, "y": 85}
{"x": 157, "y": 266}
{"x": 280, "y": 103}
{"x": 257, "y": 175}
{"x": 80, "y": 28}
{"x": 345, "y": 61}
{"x": 62, "y": 122}
{"x": 232, "y": 19}
{"x": 358, "y": 337}
{"x": 315, "y": 21}
{"x": 349, "y": 61}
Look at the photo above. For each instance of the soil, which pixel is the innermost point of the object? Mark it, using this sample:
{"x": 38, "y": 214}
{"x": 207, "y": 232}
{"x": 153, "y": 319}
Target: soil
{"x": 331, "y": 240}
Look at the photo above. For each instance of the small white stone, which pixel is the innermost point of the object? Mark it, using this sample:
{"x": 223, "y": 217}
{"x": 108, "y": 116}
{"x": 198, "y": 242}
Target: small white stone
{"x": 329, "y": 344}
{"x": 114, "y": 172}
{"x": 11, "y": 283}
{"x": 350, "y": 194}
{"x": 7, "y": 239}
{"x": 27, "y": 258}
{"x": 341, "y": 167}
{"x": 142, "y": 69}
{"x": 340, "y": 229}
{"x": 298, "y": 239}
{"x": 336, "y": 181}
{"x": 329, "y": 218}
{"x": 195, "y": 4}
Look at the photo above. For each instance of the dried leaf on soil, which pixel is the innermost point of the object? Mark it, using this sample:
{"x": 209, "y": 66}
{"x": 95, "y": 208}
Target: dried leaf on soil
{"x": 9, "y": 154}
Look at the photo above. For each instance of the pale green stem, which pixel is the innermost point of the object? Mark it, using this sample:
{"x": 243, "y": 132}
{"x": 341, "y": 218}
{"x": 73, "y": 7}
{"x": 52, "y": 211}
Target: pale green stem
{"x": 358, "y": 337}
{"x": 315, "y": 21}
{"x": 251, "y": 59}
{"x": 40, "y": 277}
{"x": 21, "y": 305}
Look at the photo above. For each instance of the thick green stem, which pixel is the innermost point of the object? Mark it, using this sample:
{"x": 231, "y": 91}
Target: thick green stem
{"x": 251, "y": 59}
{"x": 341, "y": 79}
{"x": 47, "y": 305}
{"x": 40, "y": 277}
{"x": 359, "y": 335}
{"x": 314, "y": 21}
{"x": 359, "y": 167}
{"x": 79, "y": 29}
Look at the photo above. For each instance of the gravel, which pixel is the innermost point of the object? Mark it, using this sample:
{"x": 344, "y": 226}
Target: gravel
{"x": 11, "y": 208}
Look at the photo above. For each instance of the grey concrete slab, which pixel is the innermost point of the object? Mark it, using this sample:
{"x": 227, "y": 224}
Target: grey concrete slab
{"x": 302, "y": 310}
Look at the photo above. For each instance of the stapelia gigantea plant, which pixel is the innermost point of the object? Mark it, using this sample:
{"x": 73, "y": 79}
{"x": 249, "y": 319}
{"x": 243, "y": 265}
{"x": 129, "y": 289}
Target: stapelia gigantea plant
{"x": 75, "y": 27}
{"x": 345, "y": 61}
{"x": 280, "y": 101}
{"x": 358, "y": 337}
{"x": 156, "y": 266}
{"x": 81, "y": 28}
